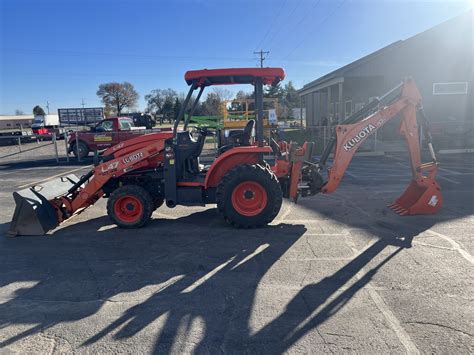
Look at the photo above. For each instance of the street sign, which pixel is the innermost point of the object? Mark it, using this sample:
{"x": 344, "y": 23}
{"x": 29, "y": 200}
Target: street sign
{"x": 80, "y": 116}
{"x": 272, "y": 116}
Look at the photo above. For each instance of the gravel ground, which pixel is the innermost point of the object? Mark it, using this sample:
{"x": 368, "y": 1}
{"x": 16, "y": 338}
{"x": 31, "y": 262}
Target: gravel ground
{"x": 335, "y": 273}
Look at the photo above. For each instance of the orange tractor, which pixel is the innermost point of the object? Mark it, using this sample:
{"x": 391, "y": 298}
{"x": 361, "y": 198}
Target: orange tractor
{"x": 248, "y": 177}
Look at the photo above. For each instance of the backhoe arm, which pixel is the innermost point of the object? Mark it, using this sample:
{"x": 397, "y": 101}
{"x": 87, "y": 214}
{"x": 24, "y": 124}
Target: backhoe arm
{"x": 423, "y": 195}
{"x": 349, "y": 137}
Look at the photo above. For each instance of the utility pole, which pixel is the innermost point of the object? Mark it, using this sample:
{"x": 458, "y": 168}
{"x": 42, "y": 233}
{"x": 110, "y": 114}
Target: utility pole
{"x": 47, "y": 106}
{"x": 83, "y": 103}
{"x": 262, "y": 56}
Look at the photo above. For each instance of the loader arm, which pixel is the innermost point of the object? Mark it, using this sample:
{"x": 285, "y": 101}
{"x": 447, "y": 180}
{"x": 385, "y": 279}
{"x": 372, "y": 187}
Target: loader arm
{"x": 89, "y": 188}
{"x": 350, "y": 136}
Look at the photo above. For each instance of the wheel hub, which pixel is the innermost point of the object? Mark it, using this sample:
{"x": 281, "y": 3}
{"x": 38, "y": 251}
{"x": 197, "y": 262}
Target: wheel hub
{"x": 249, "y": 198}
{"x": 248, "y": 194}
{"x": 128, "y": 208}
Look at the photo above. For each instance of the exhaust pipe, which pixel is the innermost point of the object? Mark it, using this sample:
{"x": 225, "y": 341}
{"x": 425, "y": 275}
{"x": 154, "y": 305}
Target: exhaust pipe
{"x": 34, "y": 214}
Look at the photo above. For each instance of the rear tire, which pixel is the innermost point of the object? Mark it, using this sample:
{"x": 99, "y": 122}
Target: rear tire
{"x": 249, "y": 196}
{"x": 83, "y": 150}
{"x": 157, "y": 203}
{"x": 130, "y": 206}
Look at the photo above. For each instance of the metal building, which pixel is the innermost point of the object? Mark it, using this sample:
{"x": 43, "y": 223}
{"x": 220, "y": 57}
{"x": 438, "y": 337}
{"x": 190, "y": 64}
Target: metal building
{"x": 439, "y": 59}
{"x": 13, "y": 122}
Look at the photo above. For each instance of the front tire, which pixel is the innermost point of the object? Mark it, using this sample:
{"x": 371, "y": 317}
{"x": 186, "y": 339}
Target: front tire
{"x": 130, "y": 206}
{"x": 83, "y": 150}
{"x": 249, "y": 196}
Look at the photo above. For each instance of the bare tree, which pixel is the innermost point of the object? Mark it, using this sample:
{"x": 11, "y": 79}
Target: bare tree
{"x": 212, "y": 105}
{"x": 242, "y": 95}
{"x": 155, "y": 100}
{"x": 118, "y": 95}
{"x": 18, "y": 112}
{"x": 223, "y": 94}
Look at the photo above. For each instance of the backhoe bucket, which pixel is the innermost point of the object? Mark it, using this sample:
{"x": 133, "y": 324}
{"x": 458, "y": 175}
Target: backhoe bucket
{"x": 34, "y": 214}
{"x": 423, "y": 196}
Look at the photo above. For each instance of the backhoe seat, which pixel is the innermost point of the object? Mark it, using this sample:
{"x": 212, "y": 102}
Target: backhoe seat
{"x": 238, "y": 138}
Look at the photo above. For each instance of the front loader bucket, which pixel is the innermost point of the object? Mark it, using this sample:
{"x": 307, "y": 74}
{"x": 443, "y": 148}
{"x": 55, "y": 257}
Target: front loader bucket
{"x": 423, "y": 196}
{"x": 34, "y": 214}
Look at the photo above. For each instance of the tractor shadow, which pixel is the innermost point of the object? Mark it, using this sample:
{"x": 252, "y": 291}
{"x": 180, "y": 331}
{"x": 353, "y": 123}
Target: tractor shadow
{"x": 203, "y": 271}
{"x": 187, "y": 268}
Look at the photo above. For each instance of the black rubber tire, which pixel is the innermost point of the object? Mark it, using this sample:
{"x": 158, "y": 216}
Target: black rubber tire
{"x": 157, "y": 203}
{"x": 136, "y": 192}
{"x": 83, "y": 150}
{"x": 256, "y": 173}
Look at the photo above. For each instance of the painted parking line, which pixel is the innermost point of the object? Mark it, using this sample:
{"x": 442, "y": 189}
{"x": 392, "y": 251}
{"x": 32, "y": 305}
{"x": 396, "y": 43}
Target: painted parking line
{"x": 448, "y": 179}
{"x": 383, "y": 176}
{"x": 456, "y": 246}
{"x": 53, "y": 177}
{"x": 450, "y": 171}
{"x": 352, "y": 175}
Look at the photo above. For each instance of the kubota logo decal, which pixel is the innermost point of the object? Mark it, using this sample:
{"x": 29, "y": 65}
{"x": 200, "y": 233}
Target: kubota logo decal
{"x": 364, "y": 133}
{"x": 132, "y": 157}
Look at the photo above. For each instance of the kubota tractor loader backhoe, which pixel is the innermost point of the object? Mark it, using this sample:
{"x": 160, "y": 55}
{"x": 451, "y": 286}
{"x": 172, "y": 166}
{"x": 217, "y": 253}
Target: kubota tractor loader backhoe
{"x": 248, "y": 178}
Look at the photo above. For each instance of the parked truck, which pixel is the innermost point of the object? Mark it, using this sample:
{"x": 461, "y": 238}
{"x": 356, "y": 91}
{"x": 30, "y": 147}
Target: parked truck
{"x": 104, "y": 134}
{"x": 46, "y": 125}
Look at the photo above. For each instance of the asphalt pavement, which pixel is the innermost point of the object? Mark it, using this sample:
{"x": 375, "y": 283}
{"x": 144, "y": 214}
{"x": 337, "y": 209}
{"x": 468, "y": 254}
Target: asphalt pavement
{"x": 334, "y": 273}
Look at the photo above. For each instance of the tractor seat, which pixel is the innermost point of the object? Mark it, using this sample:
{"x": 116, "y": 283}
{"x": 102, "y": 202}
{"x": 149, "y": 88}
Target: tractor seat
{"x": 238, "y": 138}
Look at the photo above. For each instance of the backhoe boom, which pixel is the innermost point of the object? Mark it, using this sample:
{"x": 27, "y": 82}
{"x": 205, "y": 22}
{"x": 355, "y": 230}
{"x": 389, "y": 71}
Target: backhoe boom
{"x": 353, "y": 133}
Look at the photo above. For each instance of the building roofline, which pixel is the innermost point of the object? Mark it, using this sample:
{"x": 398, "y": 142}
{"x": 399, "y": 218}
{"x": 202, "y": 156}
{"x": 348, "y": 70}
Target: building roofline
{"x": 340, "y": 71}
{"x": 349, "y": 66}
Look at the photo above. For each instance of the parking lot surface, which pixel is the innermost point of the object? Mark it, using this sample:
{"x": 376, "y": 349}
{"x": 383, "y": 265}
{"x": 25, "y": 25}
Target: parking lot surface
{"x": 334, "y": 273}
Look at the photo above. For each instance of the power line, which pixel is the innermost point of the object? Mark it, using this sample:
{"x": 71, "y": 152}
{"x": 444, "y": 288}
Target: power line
{"x": 318, "y": 25}
{"x": 262, "y": 58}
{"x": 280, "y": 27}
{"x": 305, "y": 16}
{"x": 273, "y": 23}
{"x": 79, "y": 53}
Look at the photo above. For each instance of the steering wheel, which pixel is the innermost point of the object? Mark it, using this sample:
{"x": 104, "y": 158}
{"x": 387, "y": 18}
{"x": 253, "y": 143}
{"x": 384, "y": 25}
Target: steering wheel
{"x": 203, "y": 130}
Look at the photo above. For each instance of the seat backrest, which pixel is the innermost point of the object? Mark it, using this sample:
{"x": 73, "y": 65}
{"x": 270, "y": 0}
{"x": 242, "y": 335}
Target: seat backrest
{"x": 248, "y": 131}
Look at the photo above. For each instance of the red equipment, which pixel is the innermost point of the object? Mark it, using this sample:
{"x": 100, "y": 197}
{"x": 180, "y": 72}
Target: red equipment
{"x": 423, "y": 195}
{"x": 139, "y": 175}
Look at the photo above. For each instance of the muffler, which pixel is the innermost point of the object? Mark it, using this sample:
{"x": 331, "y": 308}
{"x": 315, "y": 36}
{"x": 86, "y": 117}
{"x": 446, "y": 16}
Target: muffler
{"x": 34, "y": 213}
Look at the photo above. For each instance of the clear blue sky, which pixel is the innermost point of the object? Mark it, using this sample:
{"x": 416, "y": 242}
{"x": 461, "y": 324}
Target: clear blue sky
{"x": 62, "y": 50}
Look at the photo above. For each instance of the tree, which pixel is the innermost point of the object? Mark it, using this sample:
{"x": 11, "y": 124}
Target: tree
{"x": 242, "y": 95}
{"x": 290, "y": 96}
{"x": 177, "y": 107}
{"x": 167, "y": 110}
{"x": 155, "y": 100}
{"x": 118, "y": 95}
{"x": 223, "y": 94}
{"x": 212, "y": 105}
{"x": 18, "y": 112}
{"x": 38, "y": 111}
{"x": 274, "y": 91}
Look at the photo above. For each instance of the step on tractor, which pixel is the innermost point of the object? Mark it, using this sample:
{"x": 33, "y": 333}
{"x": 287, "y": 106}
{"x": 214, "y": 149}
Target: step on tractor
{"x": 248, "y": 177}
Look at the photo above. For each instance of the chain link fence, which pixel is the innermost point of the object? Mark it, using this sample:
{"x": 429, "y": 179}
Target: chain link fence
{"x": 24, "y": 146}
